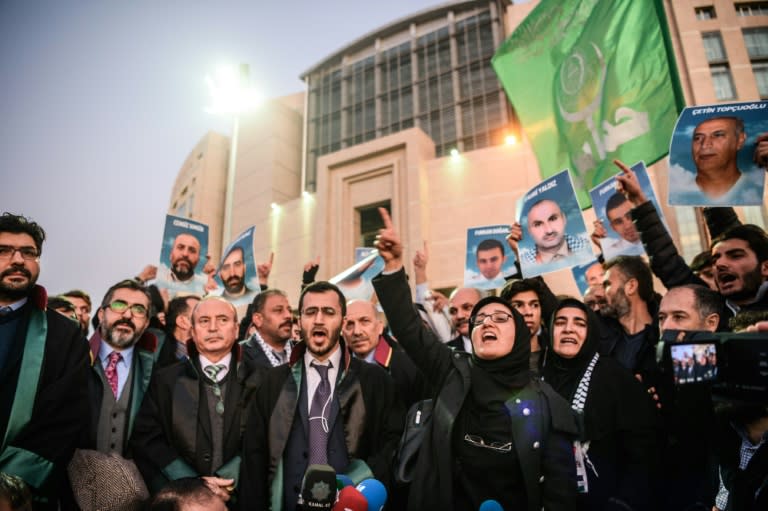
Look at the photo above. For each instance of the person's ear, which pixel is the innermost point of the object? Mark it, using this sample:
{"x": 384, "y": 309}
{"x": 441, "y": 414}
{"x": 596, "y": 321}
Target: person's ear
{"x": 712, "y": 321}
{"x": 257, "y": 319}
{"x": 630, "y": 287}
{"x": 742, "y": 139}
{"x": 764, "y": 268}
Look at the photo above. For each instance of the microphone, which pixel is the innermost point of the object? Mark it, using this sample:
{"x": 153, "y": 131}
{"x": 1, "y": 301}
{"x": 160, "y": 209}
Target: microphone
{"x": 374, "y": 492}
{"x": 318, "y": 489}
{"x": 343, "y": 480}
{"x": 491, "y": 505}
{"x": 350, "y": 499}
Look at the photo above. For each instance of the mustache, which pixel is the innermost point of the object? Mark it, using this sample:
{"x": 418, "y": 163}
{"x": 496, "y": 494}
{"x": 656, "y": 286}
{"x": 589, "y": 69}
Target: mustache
{"x": 124, "y": 321}
{"x": 16, "y": 269}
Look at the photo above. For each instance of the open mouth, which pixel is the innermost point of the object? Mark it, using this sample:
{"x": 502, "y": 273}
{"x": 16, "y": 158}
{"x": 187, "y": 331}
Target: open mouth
{"x": 725, "y": 279}
{"x": 319, "y": 334}
{"x": 569, "y": 340}
{"x": 488, "y": 336}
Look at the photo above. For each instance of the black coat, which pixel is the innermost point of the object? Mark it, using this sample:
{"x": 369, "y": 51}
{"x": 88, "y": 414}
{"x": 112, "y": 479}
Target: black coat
{"x": 60, "y": 410}
{"x": 540, "y": 419}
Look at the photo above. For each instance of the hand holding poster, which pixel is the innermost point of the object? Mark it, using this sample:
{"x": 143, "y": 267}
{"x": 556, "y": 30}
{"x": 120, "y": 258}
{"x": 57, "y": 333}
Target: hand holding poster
{"x": 554, "y": 235}
{"x": 356, "y": 281}
{"x": 612, "y": 208}
{"x": 185, "y": 243}
{"x": 489, "y": 260}
{"x": 236, "y": 276}
{"x": 712, "y": 155}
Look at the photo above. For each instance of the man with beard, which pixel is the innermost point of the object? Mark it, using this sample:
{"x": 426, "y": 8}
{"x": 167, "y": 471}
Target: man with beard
{"x": 270, "y": 345}
{"x": 461, "y": 303}
{"x": 123, "y": 355}
{"x": 232, "y": 275}
{"x": 190, "y": 424}
{"x": 323, "y": 407}
{"x": 740, "y": 258}
{"x": 43, "y": 369}
{"x": 184, "y": 257}
{"x": 178, "y": 330}
{"x": 82, "y": 303}
{"x": 364, "y": 333}
{"x": 547, "y": 225}
{"x": 630, "y": 314}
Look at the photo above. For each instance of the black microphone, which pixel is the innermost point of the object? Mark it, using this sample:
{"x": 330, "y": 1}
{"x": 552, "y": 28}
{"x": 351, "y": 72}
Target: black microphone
{"x": 318, "y": 489}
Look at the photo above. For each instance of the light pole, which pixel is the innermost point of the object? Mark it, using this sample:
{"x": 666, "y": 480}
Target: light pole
{"x": 232, "y": 94}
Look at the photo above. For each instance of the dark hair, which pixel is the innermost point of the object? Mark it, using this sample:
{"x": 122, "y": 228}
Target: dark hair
{"x": 489, "y": 244}
{"x": 614, "y": 201}
{"x": 181, "y": 491}
{"x": 60, "y": 302}
{"x": 755, "y": 237}
{"x": 633, "y": 267}
{"x": 260, "y": 300}
{"x": 18, "y": 224}
{"x": 323, "y": 287}
{"x": 129, "y": 284}
{"x": 706, "y": 301}
{"x": 15, "y": 491}
{"x": 176, "y": 308}
{"x": 702, "y": 260}
{"x": 79, "y": 293}
{"x": 517, "y": 286}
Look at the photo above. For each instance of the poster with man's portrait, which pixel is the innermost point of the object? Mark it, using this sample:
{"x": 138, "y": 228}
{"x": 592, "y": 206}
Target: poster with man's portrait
{"x": 489, "y": 259}
{"x": 356, "y": 282}
{"x": 182, "y": 257}
{"x": 236, "y": 276}
{"x": 554, "y": 234}
{"x": 712, "y": 155}
{"x": 613, "y": 209}
{"x": 588, "y": 274}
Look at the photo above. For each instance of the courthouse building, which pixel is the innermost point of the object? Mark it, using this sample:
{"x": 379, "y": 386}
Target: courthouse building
{"x": 412, "y": 117}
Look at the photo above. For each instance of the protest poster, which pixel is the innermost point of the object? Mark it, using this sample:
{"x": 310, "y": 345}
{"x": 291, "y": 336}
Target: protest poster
{"x": 488, "y": 257}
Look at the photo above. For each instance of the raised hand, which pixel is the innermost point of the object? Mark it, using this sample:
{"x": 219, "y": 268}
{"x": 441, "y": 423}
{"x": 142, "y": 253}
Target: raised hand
{"x": 388, "y": 244}
{"x": 627, "y": 184}
{"x": 264, "y": 269}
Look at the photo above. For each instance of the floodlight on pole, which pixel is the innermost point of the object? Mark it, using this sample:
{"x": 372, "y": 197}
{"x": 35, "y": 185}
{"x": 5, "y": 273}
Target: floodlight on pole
{"x": 231, "y": 94}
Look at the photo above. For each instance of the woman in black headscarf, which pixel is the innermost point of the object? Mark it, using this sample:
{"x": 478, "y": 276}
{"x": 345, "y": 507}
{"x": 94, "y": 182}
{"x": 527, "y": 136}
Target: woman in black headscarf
{"x": 495, "y": 432}
{"x": 617, "y": 444}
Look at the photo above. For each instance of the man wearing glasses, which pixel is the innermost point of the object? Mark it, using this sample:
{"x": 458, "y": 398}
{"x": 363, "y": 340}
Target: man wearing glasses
{"x": 43, "y": 369}
{"x": 323, "y": 407}
{"x": 123, "y": 355}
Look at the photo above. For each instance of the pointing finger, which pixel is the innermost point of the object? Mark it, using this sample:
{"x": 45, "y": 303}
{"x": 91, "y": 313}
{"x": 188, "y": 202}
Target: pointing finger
{"x": 385, "y": 218}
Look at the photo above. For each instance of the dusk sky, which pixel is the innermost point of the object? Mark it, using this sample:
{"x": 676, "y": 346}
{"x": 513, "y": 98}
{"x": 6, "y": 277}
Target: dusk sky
{"x": 103, "y": 100}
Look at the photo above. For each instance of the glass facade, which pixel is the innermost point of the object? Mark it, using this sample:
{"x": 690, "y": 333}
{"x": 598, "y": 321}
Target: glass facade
{"x": 435, "y": 75}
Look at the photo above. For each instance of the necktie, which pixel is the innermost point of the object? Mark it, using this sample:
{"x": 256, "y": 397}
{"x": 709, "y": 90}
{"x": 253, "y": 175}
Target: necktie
{"x": 4, "y": 311}
{"x": 111, "y": 371}
{"x": 212, "y": 371}
{"x": 318, "y": 418}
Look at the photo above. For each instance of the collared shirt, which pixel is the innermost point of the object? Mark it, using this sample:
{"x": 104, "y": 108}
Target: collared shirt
{"x": 123, "y": 366}
{"x": 204, "y": 362}
{"x": 572, "y": 245}
{"x": 313, "y": 377}
{"x": 467, "y": 343}
{"x": 746, "y": 450}
{"x": 17, "y": 305}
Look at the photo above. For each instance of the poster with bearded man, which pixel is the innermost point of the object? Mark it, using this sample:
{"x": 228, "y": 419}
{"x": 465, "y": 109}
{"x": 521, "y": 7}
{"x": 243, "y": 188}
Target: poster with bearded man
{"x": 236, "y": 275}
{"x": 182, "y": 257}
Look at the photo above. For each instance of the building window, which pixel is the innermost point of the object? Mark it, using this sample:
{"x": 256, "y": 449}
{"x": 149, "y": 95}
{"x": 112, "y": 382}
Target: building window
{"x": 370, "y": 222}
{"x": 752, "y": 9}
{"x": 718, "y": 66}
{"x": 721, "y": 79}
{"x": 756, "y": 41}
{"x": 713, "y": 47}
{"x": 705, "y": 13}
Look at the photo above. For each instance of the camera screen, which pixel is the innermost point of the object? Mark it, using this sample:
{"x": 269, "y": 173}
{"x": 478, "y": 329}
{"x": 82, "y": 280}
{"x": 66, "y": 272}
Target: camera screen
{"x": 694, "y": 363}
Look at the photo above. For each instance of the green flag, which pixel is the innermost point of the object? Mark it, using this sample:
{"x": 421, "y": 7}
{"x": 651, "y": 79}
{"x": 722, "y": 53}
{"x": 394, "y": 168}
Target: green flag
{"x": 592, "y": 80}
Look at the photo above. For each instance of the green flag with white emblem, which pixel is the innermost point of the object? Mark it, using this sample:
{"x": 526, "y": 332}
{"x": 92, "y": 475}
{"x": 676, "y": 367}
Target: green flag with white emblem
{"x": 592, "y": 80}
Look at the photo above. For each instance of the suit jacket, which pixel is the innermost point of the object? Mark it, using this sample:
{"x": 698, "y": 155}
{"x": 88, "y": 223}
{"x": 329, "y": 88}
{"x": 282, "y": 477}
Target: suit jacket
{"x": 172, "y": 437}
{"x": 410, "y": 384}
{"x": 145, "y": 355}
{"x": 43, "y": 399}
{"x": 456, "y": 343}
{"x": 368, "y": 413}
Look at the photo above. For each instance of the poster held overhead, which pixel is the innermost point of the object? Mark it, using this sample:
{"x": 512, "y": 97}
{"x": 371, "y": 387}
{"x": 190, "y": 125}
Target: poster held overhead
{"x": 182, "y": 257}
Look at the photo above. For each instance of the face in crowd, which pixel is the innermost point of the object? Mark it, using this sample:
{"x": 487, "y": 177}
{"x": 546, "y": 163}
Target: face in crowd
{"x": 546, "y": 225}
{"x": 737, "y": 271}
{"x": 489, "y": 262}
{"x": 527, "y": 303}
{"x": 614, "y": 287}
{"x": 185, "y": 254}
{"x": 569, "y": 331}
{"x": 461, "y": 303}
{"x": 321, "y": 318}
{"x": 123, "y": 320}
{"x": 274, "y": 322}
{"x": 232, "y": 271}
{"x": 715, "y": 144}
{"x": 19, "y": 265}
{"x": 493, "y": 334}
{"x": 679, "y": 310}
{"x": 214, "y": 328}
{"x": 362, "y": 327}
{"x": 621, "y": 222}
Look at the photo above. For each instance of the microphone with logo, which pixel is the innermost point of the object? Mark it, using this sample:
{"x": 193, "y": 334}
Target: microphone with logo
{"x": 374, "y": 492}
{"x": 350, "y": 499}
{"x": 491, "y": 505}
{"x": 318, "y": 490}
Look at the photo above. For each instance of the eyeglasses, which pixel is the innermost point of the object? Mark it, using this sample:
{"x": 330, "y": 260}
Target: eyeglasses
{"x": 479, "y": 442}
{"x": 27, "y": 253}
{"x": 311, "y": 312}
{"x": 496, "y": 317}
{"x": 120, "y": 307}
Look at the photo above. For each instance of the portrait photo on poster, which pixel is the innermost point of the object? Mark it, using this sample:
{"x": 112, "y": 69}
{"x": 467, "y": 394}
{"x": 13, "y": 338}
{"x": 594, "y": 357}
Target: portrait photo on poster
{"x": 489, "y": 259}
{"x": 612, "y": 208}
{"x": 183, "y": 256}
{"x": 712, "y": 160}
{"x": 236, "y": 275}
{"x": 356, "y": 282}
{"x": 554, "y": 234}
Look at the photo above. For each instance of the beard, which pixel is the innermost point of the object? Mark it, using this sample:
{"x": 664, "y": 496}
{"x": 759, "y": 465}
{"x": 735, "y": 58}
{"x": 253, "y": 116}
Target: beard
{"x": 234, "y": 284}
{"x": 751, "y": 282}
{"x": 14, "y": 292}
{"x": 183, "y": 273}
{"x": 320, "y": 352}
{"x": 618, "y": 307}
{"x": 118, "y": 339}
